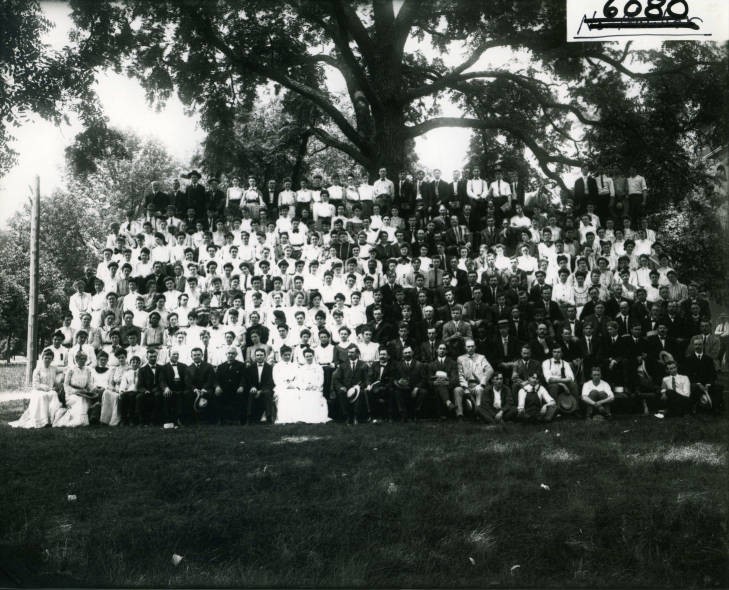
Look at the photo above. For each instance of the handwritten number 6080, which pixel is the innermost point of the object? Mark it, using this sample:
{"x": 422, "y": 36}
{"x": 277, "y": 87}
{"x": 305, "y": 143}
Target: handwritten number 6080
{"x": 653, "y": 9}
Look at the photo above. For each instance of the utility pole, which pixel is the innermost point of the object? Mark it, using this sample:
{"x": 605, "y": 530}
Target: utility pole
{"x": 32, "y": 345}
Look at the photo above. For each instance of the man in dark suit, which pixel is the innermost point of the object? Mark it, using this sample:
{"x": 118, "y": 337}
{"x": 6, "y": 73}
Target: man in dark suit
{"x": 699, "y": 368}
{"x": 409, "y": 386}
{"x": 195, "y": 195}
{"x": 381, "y": 386}
{"x": 524, "y": 367}
{"x": 660, "y": 348}
{"x": 148, "y": 402}
{"x": 612, "y": 355}
{"x": 477, "y": 310}
{"x": 517, "y": 187}
{"x": 405, "y": 194}
{"x": 270, "y": 195}
{"x": 590, "y": 352}
{"x": 178, "y": 199}
{"x": 215, "y": 198}
{"x": 382, "y": 331}
{"x": 552, "y": 311}
{"x": 396, "y": 346}
{"x": 429, "y": 346}
{"x": 443, "y": 377}
{"x": 258, "y": 390}
{"x": 229, "y": 388}
{"x": 504, "y": 348}
{"x": 349, "y": 382}
{"x": 585, "y": 190}
{"x": 200, "y": 384}
{"x": 173, "y": 390}
{"x": 158, "y": 199}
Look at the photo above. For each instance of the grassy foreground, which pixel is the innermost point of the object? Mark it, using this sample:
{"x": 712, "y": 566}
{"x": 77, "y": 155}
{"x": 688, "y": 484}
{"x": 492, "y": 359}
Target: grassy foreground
{"x": 632, "y": 502}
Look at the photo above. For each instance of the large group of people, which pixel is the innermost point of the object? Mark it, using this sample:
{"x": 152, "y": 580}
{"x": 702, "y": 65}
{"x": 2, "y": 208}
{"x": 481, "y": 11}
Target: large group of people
{"x": 402, "y": 299}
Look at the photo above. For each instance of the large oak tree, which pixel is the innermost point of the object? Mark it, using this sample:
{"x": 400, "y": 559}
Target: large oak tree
{"x": 216, "y": 54}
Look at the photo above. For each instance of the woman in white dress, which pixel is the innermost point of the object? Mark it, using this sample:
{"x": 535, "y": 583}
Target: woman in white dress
{"x": 285, "y": 392}
{"x": 78, "y": 386}
{"x": 110, "y": 397}
{"x": 299, "y": 390}
{"x": 43, "y": 397}
{"x": 312, "y": 405}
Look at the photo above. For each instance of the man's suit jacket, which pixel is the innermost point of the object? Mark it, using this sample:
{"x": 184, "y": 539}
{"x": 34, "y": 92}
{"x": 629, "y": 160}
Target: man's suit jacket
{"x": 168, "y": 377}
{"x": 396, "y": 347}
{"x": 405, "y": 195}
{"x": 700, "y": 370}
{"x": 427, "y": 353}
{"x": 632, "y": 348}
{"x": 230, "y": 376}
{"x": 474, "y": 312}
{"x": 712, "y": 346}
{"x": 251, "y": 378}
{"x": 462, "y": 329}
{"x": 202, "y": 377}
{"x": 382, "y": 333}
{"x": 439, "y": 192}
{"x": 344, "y": 377}
{"x": 507, "y": 397}
{"x": 552, "y": 311}
{"x": 159, "y": 199}
{"x": 387, "y": 378}
{"x": 489, "y": 236}
{"x": 522, "y": 369}
{"x": 685, "y": 307}
{"x": 453, "y": 241}
{"x": 415, "y": 375}
{"x": 433, "y": 278}
{"x": 612, "y": 350}
{"x": 196, "y": 198}
{"x": 654, "y": 347}
{"x": 496, "y": 348}
{"x": 584, "y": 194}
{"x": 150, "y": 380}
{"x": 448, "y": 365}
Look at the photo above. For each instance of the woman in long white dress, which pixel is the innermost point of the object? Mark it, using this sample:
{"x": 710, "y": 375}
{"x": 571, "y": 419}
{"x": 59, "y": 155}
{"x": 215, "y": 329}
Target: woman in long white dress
{"x": 43, "y": 397}
{"x": 301, "y": 398}
{"x": 78, "y": 386}
{"x": 285, "y": 392}
{"x": 110, "y": 397}
{"x": 312, "y": 406}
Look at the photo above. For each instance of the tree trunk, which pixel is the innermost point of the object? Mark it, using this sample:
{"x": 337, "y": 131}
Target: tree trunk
{"x": 296, "y": 173}
{"x": 390, "y": 142}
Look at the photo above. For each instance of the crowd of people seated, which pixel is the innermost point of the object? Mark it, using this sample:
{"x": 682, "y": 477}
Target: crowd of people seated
{"x": 395, "y": 300}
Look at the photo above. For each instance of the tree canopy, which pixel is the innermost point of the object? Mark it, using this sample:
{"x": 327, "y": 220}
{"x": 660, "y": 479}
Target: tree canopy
{"x": 217, "y": 54}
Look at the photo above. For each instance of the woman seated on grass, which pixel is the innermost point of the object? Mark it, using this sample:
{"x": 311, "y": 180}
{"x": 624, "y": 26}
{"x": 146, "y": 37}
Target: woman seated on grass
{"x": 43, "y": 397}
{"x": 78, "y": 387}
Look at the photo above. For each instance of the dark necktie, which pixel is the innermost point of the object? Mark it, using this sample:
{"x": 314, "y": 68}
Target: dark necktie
{"x": 205, "y": 354}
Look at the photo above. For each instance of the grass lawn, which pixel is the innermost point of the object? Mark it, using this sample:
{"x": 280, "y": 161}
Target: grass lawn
{"x": 631, "y": 502}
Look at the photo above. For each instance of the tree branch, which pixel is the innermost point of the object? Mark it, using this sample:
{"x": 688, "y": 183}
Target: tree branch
{"x": 618, "y": 65}
{"x": 329, "y": 140}
{"x": 349, "y": 21}
{"x": 246, "y": 63}
{"x": 544, "y": 157}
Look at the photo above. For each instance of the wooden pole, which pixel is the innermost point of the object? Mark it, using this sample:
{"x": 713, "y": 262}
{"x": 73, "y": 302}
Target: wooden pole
{"x": 32, "y": 346}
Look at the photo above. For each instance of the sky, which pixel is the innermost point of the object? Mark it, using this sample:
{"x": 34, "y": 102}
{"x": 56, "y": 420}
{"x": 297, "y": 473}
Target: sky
{"x": 40, "y": 144}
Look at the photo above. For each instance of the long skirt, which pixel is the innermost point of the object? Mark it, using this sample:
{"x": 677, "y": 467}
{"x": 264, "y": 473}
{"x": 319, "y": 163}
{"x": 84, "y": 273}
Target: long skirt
{"x": 39, "y": 413}
{"x": 76, "y": 412}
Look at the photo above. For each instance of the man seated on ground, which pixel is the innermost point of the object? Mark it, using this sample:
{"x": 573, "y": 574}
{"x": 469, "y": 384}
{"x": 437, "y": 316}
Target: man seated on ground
{"x": 597, "y": 395}
{"x": 443, "y": 372}
{"x": 534, "y": 404}
{"x": 675, "y": 393}
{"x": 499, "y": 403}
{"x": 474, "y": 372}
{"x": 558, "y": 375}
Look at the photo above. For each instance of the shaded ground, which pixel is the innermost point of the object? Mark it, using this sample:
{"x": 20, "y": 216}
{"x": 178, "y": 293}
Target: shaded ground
{"x": 634, "y": 501}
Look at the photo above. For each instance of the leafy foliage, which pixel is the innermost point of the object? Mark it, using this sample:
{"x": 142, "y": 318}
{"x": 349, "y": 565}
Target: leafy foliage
{"x": 73, "y": 225}
{"x": 218, "y": 55}
{"x": 36, "y": 79}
